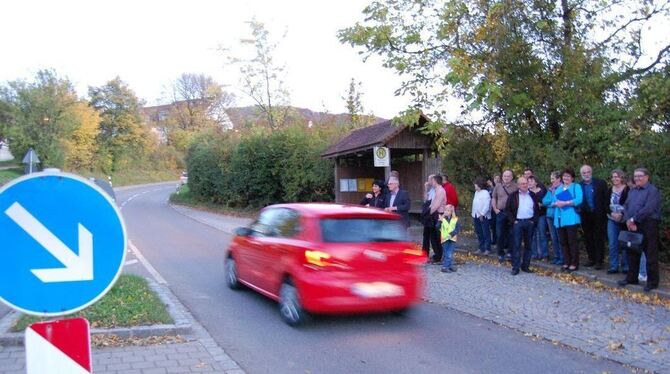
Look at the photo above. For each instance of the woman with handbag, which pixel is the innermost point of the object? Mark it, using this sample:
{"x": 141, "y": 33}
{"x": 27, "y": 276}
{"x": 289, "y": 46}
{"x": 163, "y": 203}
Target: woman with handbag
{"x": 567, "y": 197}
{"x": 618, "y": 194}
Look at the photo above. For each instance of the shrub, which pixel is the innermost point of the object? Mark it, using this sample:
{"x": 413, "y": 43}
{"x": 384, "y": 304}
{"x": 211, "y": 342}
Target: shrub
{"x": 260, "y": 167}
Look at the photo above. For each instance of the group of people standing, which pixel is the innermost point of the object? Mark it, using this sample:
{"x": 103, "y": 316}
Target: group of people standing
{"x": 516, "y": 215}
{"x": 521, "y": 217}
{"x": 441, "y": 226}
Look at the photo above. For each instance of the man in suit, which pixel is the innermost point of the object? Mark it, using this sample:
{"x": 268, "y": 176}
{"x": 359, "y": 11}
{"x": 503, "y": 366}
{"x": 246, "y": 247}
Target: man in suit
{"x": 522, "y": 212}
{"x": 642, "y": 214}
{"x": 594, "y": 216}
{"x": 397, "y": 201}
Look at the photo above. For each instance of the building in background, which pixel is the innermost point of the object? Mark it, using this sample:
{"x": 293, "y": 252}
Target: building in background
{"x": 5, "y": 153}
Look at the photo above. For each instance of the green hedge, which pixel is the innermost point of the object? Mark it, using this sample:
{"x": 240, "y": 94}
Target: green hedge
{"x": 260, "y": 167}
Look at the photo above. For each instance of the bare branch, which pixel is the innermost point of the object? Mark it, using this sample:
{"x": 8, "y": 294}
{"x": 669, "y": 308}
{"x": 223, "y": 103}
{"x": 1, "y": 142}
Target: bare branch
{"x": 624, "y": 27}
{"x": 632, "y": 72}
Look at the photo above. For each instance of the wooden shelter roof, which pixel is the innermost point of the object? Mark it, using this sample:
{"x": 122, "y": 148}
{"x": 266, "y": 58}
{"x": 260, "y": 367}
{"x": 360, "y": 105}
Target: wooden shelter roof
{"x": 367, "y": 137}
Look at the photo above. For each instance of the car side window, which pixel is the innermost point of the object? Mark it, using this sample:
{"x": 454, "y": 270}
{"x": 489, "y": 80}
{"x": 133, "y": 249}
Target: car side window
{"x": 264, "y": 225}
{"x": 287, "y": 223}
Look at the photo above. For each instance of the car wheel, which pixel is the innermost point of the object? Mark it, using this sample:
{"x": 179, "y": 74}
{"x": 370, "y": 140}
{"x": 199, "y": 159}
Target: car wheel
{"x": 231, "y": 274}
{"x": 289, "y": 305}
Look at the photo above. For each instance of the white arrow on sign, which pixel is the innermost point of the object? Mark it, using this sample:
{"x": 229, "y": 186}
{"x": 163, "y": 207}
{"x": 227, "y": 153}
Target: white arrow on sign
{"x": 77, "y": 267}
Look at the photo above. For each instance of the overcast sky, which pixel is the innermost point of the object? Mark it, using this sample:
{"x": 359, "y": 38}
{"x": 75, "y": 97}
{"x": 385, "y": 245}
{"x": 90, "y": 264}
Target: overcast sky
{"x": 150, "y": 43}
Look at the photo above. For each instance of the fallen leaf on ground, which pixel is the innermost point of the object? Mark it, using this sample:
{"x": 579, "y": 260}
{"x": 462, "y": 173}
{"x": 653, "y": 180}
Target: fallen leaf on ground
{"x": 615, "y": 346}
{"x": 573, "y": 279}
{"x": 618, "y": 319}
{"x": 111, "y": 340}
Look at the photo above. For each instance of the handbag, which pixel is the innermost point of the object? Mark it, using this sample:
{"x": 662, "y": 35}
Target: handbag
{"x": 631, "y": 240}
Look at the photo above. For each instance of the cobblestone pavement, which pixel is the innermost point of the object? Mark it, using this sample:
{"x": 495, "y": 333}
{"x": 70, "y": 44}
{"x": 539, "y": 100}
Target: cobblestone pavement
{"x": 191, "y": 357}
{"x": 592, "y": 321}
{"x": 200, "y": 353}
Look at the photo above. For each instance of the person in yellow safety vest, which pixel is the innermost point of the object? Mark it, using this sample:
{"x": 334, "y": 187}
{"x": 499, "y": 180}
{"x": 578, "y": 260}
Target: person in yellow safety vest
{"x": 449, "y": 229}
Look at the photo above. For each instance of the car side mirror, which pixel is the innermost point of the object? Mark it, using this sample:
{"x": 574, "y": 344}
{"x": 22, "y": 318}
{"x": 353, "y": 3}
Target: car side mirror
{"x": 243, "y": 231}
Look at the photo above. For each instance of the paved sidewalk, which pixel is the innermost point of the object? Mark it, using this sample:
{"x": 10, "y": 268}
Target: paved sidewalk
{"x": 596, "y": 322}
{"x": 190, "y": 357}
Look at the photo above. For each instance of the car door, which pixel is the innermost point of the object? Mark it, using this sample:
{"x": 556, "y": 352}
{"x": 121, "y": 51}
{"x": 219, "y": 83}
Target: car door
{"x": 278, "y": 253}
{"x": 251, "y": 248}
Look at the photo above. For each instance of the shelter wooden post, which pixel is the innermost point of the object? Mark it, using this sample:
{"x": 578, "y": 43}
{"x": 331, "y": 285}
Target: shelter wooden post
{"x": 337, "y": 180}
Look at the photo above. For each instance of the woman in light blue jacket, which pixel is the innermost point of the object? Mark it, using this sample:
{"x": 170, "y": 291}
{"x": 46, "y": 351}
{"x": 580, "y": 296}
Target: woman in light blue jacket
{"x": 565, "y": 199}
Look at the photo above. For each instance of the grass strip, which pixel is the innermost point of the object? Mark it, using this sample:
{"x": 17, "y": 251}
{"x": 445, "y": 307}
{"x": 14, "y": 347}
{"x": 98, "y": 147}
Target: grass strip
{"x": 134, "y": 176}
{"x": 13, "y": 162}
{"x": 131, "y": 302}
{"x": 8, "y": 174}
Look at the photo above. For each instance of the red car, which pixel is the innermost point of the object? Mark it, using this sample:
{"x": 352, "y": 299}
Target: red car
{"x": 327, "y": 259}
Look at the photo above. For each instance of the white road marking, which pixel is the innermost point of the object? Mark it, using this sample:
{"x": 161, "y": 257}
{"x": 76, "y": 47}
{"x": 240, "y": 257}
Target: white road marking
{"x": 131, "y": 262}
{"x": 123, "y": 204}
{"x": 154, "y": 273}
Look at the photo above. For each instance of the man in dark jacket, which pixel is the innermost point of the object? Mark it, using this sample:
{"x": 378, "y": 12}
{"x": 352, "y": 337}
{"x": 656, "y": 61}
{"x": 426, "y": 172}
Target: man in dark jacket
{"x": 594, "y": 216}
{"x": 642, "y": 214}
{"x": 522, "y": 211}
{"x": 397, "y": 201}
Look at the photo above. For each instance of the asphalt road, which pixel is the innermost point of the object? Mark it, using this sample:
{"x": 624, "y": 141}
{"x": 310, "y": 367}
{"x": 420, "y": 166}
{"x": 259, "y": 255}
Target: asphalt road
{"x": 431, "y": 339}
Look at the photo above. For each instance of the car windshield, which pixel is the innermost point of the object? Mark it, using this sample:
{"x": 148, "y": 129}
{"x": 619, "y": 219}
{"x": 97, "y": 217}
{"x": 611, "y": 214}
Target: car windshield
{"x": 362, "y": 230}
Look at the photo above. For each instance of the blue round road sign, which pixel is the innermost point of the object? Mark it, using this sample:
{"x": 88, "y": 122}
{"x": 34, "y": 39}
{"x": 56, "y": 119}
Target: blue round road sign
{"x": 63, "y": 243}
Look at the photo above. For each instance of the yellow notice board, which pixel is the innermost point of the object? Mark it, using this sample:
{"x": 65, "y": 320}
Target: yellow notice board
{"x": 364, "y": 184}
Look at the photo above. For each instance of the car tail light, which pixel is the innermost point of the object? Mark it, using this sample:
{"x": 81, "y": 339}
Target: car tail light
{"x": 317, "y": 258}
